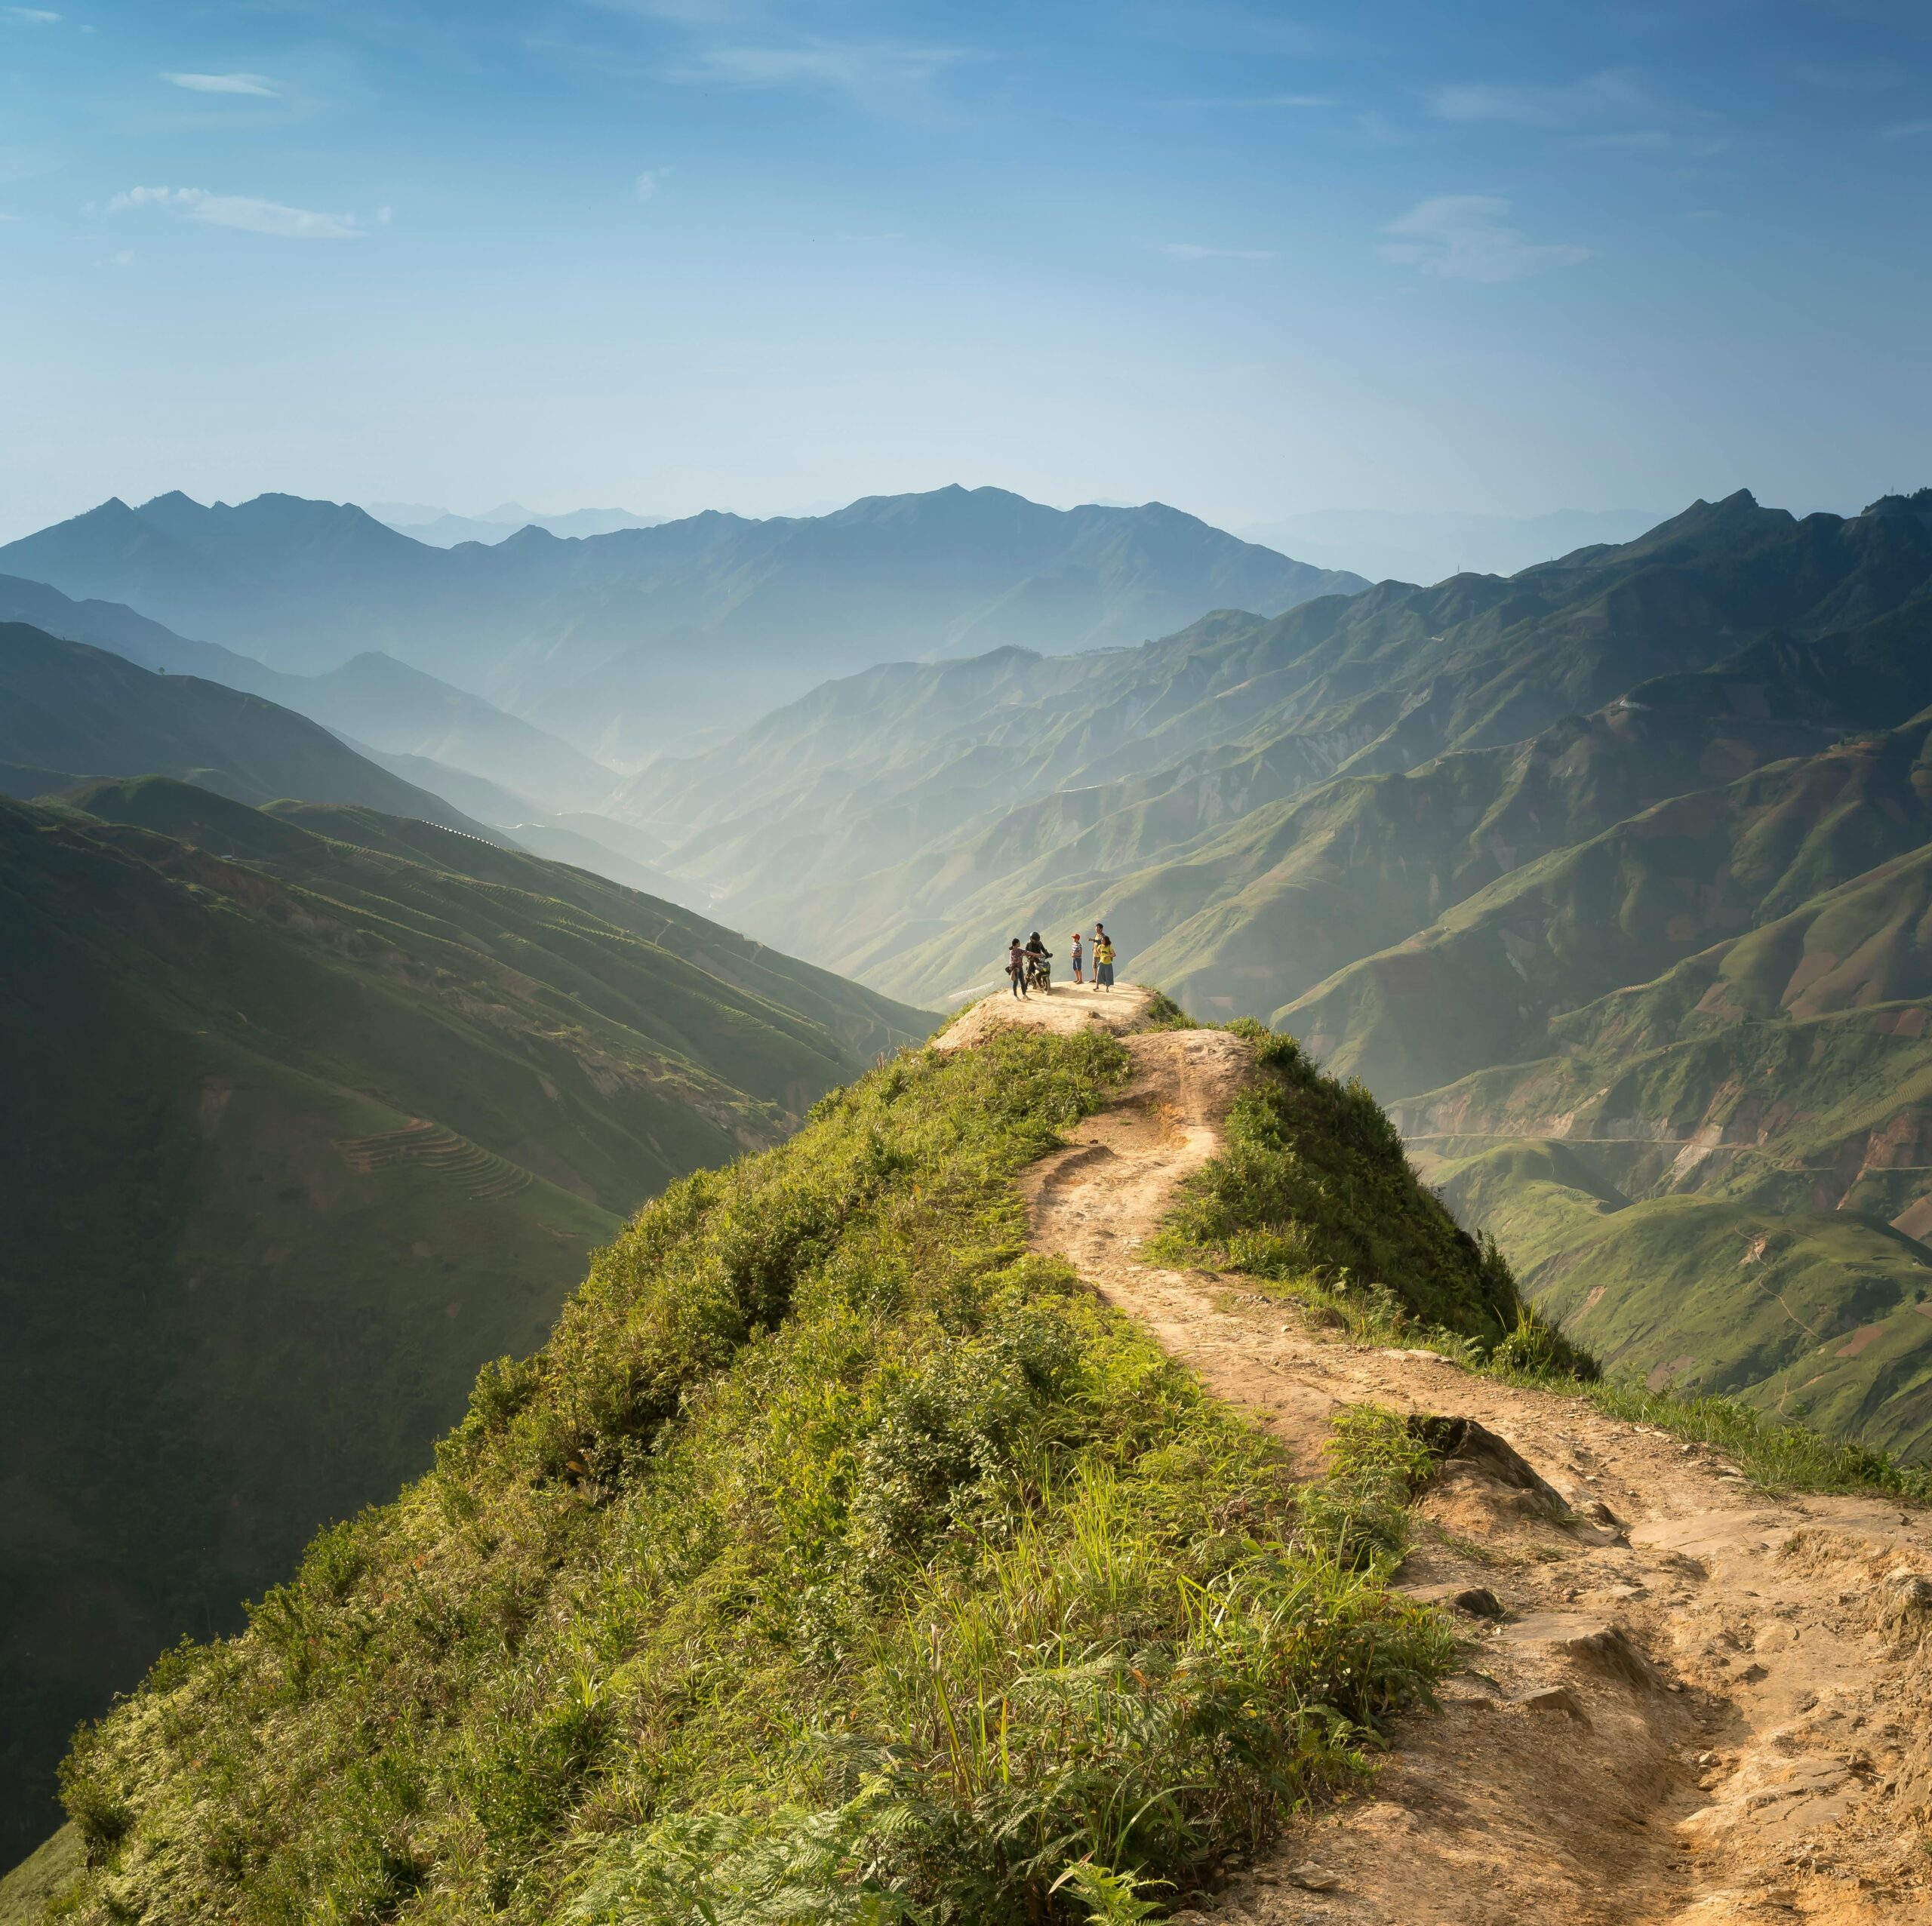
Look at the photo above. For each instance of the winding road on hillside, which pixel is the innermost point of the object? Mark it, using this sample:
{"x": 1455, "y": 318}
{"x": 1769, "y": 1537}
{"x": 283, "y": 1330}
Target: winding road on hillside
{"x": 1684, "y": 1701}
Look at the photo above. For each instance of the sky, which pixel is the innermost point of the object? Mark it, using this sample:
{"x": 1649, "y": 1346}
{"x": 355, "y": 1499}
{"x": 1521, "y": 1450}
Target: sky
{"x": 769, "y": 255}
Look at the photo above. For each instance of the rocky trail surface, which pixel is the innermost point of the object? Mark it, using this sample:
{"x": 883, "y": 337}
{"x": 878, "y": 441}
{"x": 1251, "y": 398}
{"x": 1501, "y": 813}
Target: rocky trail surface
{"x": 1683, "y": 1700}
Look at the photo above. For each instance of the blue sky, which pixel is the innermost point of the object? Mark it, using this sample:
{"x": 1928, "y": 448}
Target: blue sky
{"x": 765, "y": 253}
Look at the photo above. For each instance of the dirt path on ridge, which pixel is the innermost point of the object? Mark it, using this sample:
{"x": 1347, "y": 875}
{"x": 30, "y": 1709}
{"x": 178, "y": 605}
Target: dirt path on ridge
{"x": 1700, "y": 1704}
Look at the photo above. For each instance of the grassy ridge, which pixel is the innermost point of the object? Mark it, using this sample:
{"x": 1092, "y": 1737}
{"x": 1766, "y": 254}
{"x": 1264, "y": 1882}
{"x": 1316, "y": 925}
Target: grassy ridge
{"x": 1282, "y": 1204}
{"x": 834, "y": 1561}
{"x": 301, "y": 1127}
{"x": 1313, "y": 1194}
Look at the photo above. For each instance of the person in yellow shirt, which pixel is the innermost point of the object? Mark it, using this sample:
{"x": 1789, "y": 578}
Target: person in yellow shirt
{"x": 1104, "y": 958}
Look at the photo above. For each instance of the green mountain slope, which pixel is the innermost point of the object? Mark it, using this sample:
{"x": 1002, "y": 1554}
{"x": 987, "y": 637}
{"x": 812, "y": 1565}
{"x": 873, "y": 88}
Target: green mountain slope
{"x": 626, "y": 641}
{"x": 899, "y": 826}
{"x": 1480, "y": 983}
{"x": 1670, "y": 931}
{"x": 72, "y": 711}
{"x": 833, "y": 1559}
{"x": 311, "y": 1110}
{"x": 373, "y": 700}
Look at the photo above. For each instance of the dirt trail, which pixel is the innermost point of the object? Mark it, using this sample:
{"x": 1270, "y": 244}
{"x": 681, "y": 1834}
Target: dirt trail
{"x": 1700, "y": 1704}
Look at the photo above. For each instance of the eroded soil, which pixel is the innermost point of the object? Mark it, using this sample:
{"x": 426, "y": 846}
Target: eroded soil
{"x": 1699, "y": 1703}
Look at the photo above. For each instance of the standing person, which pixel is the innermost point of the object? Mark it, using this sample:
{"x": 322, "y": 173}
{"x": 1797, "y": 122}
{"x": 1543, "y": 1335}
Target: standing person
{"x": 1076, "y": 941}
{"x": 1016, "y": 967}
{"x": 1104, "y": 958}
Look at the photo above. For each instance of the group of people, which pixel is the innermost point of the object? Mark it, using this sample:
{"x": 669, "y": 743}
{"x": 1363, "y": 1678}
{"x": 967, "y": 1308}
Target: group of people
{"x": 1028, "y": 965}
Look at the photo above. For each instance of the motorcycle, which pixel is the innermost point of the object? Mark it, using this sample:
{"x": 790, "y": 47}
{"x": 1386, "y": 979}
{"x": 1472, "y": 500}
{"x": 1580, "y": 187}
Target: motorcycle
{"x": 1039, "y": 973}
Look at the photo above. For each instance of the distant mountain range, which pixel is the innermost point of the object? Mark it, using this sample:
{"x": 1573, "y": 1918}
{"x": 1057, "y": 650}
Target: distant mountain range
{"x": 69, "y": 713}
{"x": 443, "y": 529}
{"x": 626, "y": 642}
{"x": 383, "y": 705}
{"x": 1573, "y": 867}
{"x": 1382, "y": 544}
{"x": 311, "y": 1111}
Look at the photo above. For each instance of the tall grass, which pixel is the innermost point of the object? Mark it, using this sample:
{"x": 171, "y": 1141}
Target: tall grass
{"x": 835, "y": 1561}
{"x": 1313, "y": 1199}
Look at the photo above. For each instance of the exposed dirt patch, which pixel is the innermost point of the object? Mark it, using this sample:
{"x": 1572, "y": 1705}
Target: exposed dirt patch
{"x": 1065, "y": 1009}
{"x": 1701, "y": 1703}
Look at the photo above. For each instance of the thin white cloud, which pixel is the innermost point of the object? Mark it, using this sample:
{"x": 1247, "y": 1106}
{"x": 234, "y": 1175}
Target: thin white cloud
{"x": 883, "y": 76}
{"x": 1906, "y": 130}
{"x": 1255, "y": 102}
{"x": 1468, "y": 237}
{"x": 1633, "y": 140}
{"x": 256, "y": 84}
{"x": 31, "y": 16}
{"x": 244, "y": 212}
{"x": 1600, "y": 95}
{"x": 647, "y": 184}
{"x": 1193, "y": 251}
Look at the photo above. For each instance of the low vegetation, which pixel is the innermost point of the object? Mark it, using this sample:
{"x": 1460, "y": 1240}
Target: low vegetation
{"x": 1301, "y": 1201}
{"x": 1787, "y": 1457}
{"x": 311, "y": 1111}
{"x": 835, "y": 1561}
{"x": 1313, "y": 1197}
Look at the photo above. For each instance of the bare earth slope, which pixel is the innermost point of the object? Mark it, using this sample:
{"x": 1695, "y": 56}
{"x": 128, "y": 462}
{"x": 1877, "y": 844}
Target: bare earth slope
{"x": 1700, "y": 1703}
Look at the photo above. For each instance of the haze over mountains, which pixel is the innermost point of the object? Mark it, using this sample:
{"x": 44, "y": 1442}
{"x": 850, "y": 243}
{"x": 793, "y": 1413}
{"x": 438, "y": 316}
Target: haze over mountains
{"x": 1611, "y": 877}
{"x": 1419, "y": 827}
{"x": 626, "y": 642}
{"x": 312, "y": 1110}
{"x": 1383, "y": 544}
{"x": 69, "y": 712}
{"x": 442, "y": 529}
{"x": 372, "y": 700}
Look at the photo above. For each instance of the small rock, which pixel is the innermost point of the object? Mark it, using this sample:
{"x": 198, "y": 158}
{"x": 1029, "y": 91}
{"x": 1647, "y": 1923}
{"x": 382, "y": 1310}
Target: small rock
{"x": 1478, "y": 1600}
{"x": 1555, "y": 1698}
{"x": 1908, "y": 1601}
{"x": 1312, "y": 1877}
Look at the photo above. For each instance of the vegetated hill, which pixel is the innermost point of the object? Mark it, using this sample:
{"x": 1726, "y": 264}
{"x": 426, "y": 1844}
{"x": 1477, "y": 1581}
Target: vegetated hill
{"x": 1717, "y": 731}
{"x": 835, "y": 1559}
{"x": 373, "y": 699}
{"x": 311, "y": 1110}
{"x": 1758, "y": 1119}
{"x": 901, "y": 825}
{"x": 68, "y": 713}
{"x": 625, "y": 641}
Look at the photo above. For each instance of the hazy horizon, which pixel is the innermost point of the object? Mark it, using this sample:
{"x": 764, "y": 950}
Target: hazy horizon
{"x": 750, "y": 253}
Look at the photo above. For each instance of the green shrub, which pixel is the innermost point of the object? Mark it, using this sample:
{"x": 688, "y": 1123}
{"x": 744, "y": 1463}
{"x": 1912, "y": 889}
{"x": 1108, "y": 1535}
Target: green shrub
{"x": 1312, "y": 1192}
{"x": 834, "y": 1561}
